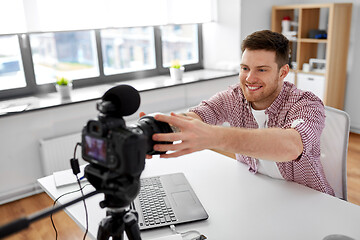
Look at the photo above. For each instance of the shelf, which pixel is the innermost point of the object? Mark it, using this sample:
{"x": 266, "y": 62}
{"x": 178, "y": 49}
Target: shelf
{"x": 312, "y": 73}
{"x": 303, "y": 6}
{"x": 335, "y": 19}
{"x": 312, "y": 40}
{"x": 308, "y": 40}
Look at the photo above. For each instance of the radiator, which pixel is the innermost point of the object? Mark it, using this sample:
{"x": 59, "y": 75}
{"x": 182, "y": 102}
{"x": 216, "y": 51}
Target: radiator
{"x": 57, "y": 152}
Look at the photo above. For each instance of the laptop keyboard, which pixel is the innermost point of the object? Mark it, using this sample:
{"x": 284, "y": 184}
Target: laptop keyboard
{"x": 155, "y": 205}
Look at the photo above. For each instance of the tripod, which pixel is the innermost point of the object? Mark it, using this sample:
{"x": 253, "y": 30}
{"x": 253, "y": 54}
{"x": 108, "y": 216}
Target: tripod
{"x": 118, "y": 221}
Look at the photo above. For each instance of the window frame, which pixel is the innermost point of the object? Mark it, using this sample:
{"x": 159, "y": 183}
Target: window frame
{"x": 33, "y": 89}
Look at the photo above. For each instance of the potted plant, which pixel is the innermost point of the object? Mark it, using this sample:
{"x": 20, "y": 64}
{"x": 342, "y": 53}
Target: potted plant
{"x": 176, "y": 71}
{"x": 63, "y": 86}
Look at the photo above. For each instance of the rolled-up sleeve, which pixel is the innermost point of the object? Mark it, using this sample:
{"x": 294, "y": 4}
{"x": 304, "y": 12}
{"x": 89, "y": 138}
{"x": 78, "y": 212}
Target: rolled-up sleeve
{"x": 308, "y": 118}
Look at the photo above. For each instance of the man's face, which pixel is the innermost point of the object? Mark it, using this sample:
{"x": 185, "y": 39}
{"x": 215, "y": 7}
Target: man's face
{"x": 260, "y": 79}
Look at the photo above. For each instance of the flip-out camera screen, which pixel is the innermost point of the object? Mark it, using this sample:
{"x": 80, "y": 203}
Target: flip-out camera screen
{"x": 95, "y": 148}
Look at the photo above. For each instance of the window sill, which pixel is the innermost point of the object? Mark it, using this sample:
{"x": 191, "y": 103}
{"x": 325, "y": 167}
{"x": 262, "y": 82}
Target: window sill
{"x": 44, "y": 101}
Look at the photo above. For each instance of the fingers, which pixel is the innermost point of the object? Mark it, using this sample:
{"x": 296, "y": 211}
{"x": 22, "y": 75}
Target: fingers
{"x": 181, "y": 148}
{"x": 166, "y": 147}
{"x": 176, "y": 150}
{"x": 178, "y": 147}
{"x": 182, "y": 116}
{"x": 174, "y": 119}
{"x": 167, "y": 137}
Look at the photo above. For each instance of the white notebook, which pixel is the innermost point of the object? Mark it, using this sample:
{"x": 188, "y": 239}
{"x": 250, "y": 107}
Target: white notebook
{"x": 67, "y": 177}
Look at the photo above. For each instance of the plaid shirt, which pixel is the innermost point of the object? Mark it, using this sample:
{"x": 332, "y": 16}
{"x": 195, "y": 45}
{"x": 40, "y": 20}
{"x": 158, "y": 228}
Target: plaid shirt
{"x": 293, "y": 108}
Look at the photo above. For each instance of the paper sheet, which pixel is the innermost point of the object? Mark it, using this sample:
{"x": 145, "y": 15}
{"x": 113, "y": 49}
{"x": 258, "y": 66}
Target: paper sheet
{"x": 66, "y": 177}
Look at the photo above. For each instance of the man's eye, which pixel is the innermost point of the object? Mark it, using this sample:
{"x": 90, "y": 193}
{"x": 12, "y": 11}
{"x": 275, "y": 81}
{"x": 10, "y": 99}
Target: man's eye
{"x": 244, "y": 68}
{"x": 262, "y": 70}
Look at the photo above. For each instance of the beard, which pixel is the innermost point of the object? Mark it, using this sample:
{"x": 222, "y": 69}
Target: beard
{"x": 263, "y": 94}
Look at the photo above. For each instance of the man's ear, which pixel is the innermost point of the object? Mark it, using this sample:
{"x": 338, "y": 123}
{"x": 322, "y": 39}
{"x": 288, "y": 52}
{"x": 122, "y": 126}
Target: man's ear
{"x": 284, "y": 70}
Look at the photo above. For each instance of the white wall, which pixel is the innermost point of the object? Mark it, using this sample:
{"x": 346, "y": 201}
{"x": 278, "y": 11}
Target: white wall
{"x": 256, "y": 15}
{"x": 353, "y": 70}
{"x": 221, "y": 39}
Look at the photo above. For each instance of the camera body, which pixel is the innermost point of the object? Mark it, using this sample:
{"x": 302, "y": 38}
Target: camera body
{"x": 117, "y": 153}
{"x": 110, "y": 145}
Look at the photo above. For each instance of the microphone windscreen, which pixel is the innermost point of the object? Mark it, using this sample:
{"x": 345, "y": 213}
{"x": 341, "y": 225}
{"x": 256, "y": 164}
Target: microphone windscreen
{"x": 125, "y": 98}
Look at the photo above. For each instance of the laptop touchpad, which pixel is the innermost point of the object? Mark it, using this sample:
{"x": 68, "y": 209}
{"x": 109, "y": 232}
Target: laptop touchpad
{"x": 183, "y": 198}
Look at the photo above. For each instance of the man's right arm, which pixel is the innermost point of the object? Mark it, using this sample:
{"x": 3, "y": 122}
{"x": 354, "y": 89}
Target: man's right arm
{"x": 195, "y": 116}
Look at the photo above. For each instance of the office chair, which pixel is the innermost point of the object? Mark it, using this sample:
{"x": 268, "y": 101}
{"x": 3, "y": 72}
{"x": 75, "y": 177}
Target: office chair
{"x": 334, "y": 146}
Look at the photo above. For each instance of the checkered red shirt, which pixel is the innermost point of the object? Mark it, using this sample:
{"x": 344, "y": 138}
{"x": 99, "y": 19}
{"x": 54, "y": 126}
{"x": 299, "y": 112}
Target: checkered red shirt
{"x": 293, "y": 108}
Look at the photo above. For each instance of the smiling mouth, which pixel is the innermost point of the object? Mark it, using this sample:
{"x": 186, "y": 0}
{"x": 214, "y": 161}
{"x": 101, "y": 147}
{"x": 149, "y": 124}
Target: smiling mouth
{"x": 253, "y": 88}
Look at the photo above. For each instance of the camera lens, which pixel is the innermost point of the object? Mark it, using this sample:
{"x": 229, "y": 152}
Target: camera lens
{"x": 150, "y": 126}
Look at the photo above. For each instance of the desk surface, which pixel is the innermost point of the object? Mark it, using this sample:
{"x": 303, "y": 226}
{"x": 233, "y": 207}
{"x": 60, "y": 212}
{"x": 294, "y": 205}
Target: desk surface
{"x": 240, "y": 205}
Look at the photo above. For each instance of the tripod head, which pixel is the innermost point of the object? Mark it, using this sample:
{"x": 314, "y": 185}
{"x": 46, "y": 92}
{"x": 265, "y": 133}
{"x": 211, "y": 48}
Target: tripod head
{"x": 119, "y": 190}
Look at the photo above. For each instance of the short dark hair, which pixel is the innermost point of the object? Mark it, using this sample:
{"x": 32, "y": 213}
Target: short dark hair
{"x": 270, "y": 41}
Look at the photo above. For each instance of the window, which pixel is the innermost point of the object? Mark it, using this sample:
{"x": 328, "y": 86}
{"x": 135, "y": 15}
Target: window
{"x": 64, "y": 54}
{"x": 180, "y": 42}
{"x": 91, "y": 57}
{"x": 11, "y": 66}
{"x": 128, "y": 50}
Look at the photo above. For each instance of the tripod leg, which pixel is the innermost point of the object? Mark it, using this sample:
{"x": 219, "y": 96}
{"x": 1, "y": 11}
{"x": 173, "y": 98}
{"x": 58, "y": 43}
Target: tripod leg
{"x": 131, "y": 225}
{"x": 108, "y": 227}
{"x": 103, "y": 230}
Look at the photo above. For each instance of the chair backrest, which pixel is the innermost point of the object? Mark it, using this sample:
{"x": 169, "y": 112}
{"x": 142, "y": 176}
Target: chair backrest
{"x": 334, "y": 146}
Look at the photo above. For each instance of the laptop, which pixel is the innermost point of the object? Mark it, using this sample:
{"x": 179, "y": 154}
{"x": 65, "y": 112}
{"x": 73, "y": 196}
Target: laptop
{"x": 166, "y": 200}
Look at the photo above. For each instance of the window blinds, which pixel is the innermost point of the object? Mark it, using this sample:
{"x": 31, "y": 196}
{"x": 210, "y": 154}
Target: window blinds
{"x": 20, "y": 16}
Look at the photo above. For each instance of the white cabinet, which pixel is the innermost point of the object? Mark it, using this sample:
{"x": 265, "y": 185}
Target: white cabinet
{"x": 313, "y": 83}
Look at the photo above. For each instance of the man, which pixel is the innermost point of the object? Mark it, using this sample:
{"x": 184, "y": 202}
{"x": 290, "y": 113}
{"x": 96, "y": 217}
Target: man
{"x": 275, "y": 127}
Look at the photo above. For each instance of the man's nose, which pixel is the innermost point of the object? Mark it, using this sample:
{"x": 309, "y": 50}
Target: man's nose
{"x": 250, "y": 77}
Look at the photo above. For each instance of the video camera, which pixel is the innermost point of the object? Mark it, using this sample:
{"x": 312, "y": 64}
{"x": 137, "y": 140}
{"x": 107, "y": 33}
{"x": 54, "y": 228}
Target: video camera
{"x": 116, "y": 153}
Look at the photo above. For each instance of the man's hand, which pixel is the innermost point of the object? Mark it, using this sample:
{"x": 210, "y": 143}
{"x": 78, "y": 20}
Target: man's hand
{"x": 194, "y": 135}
